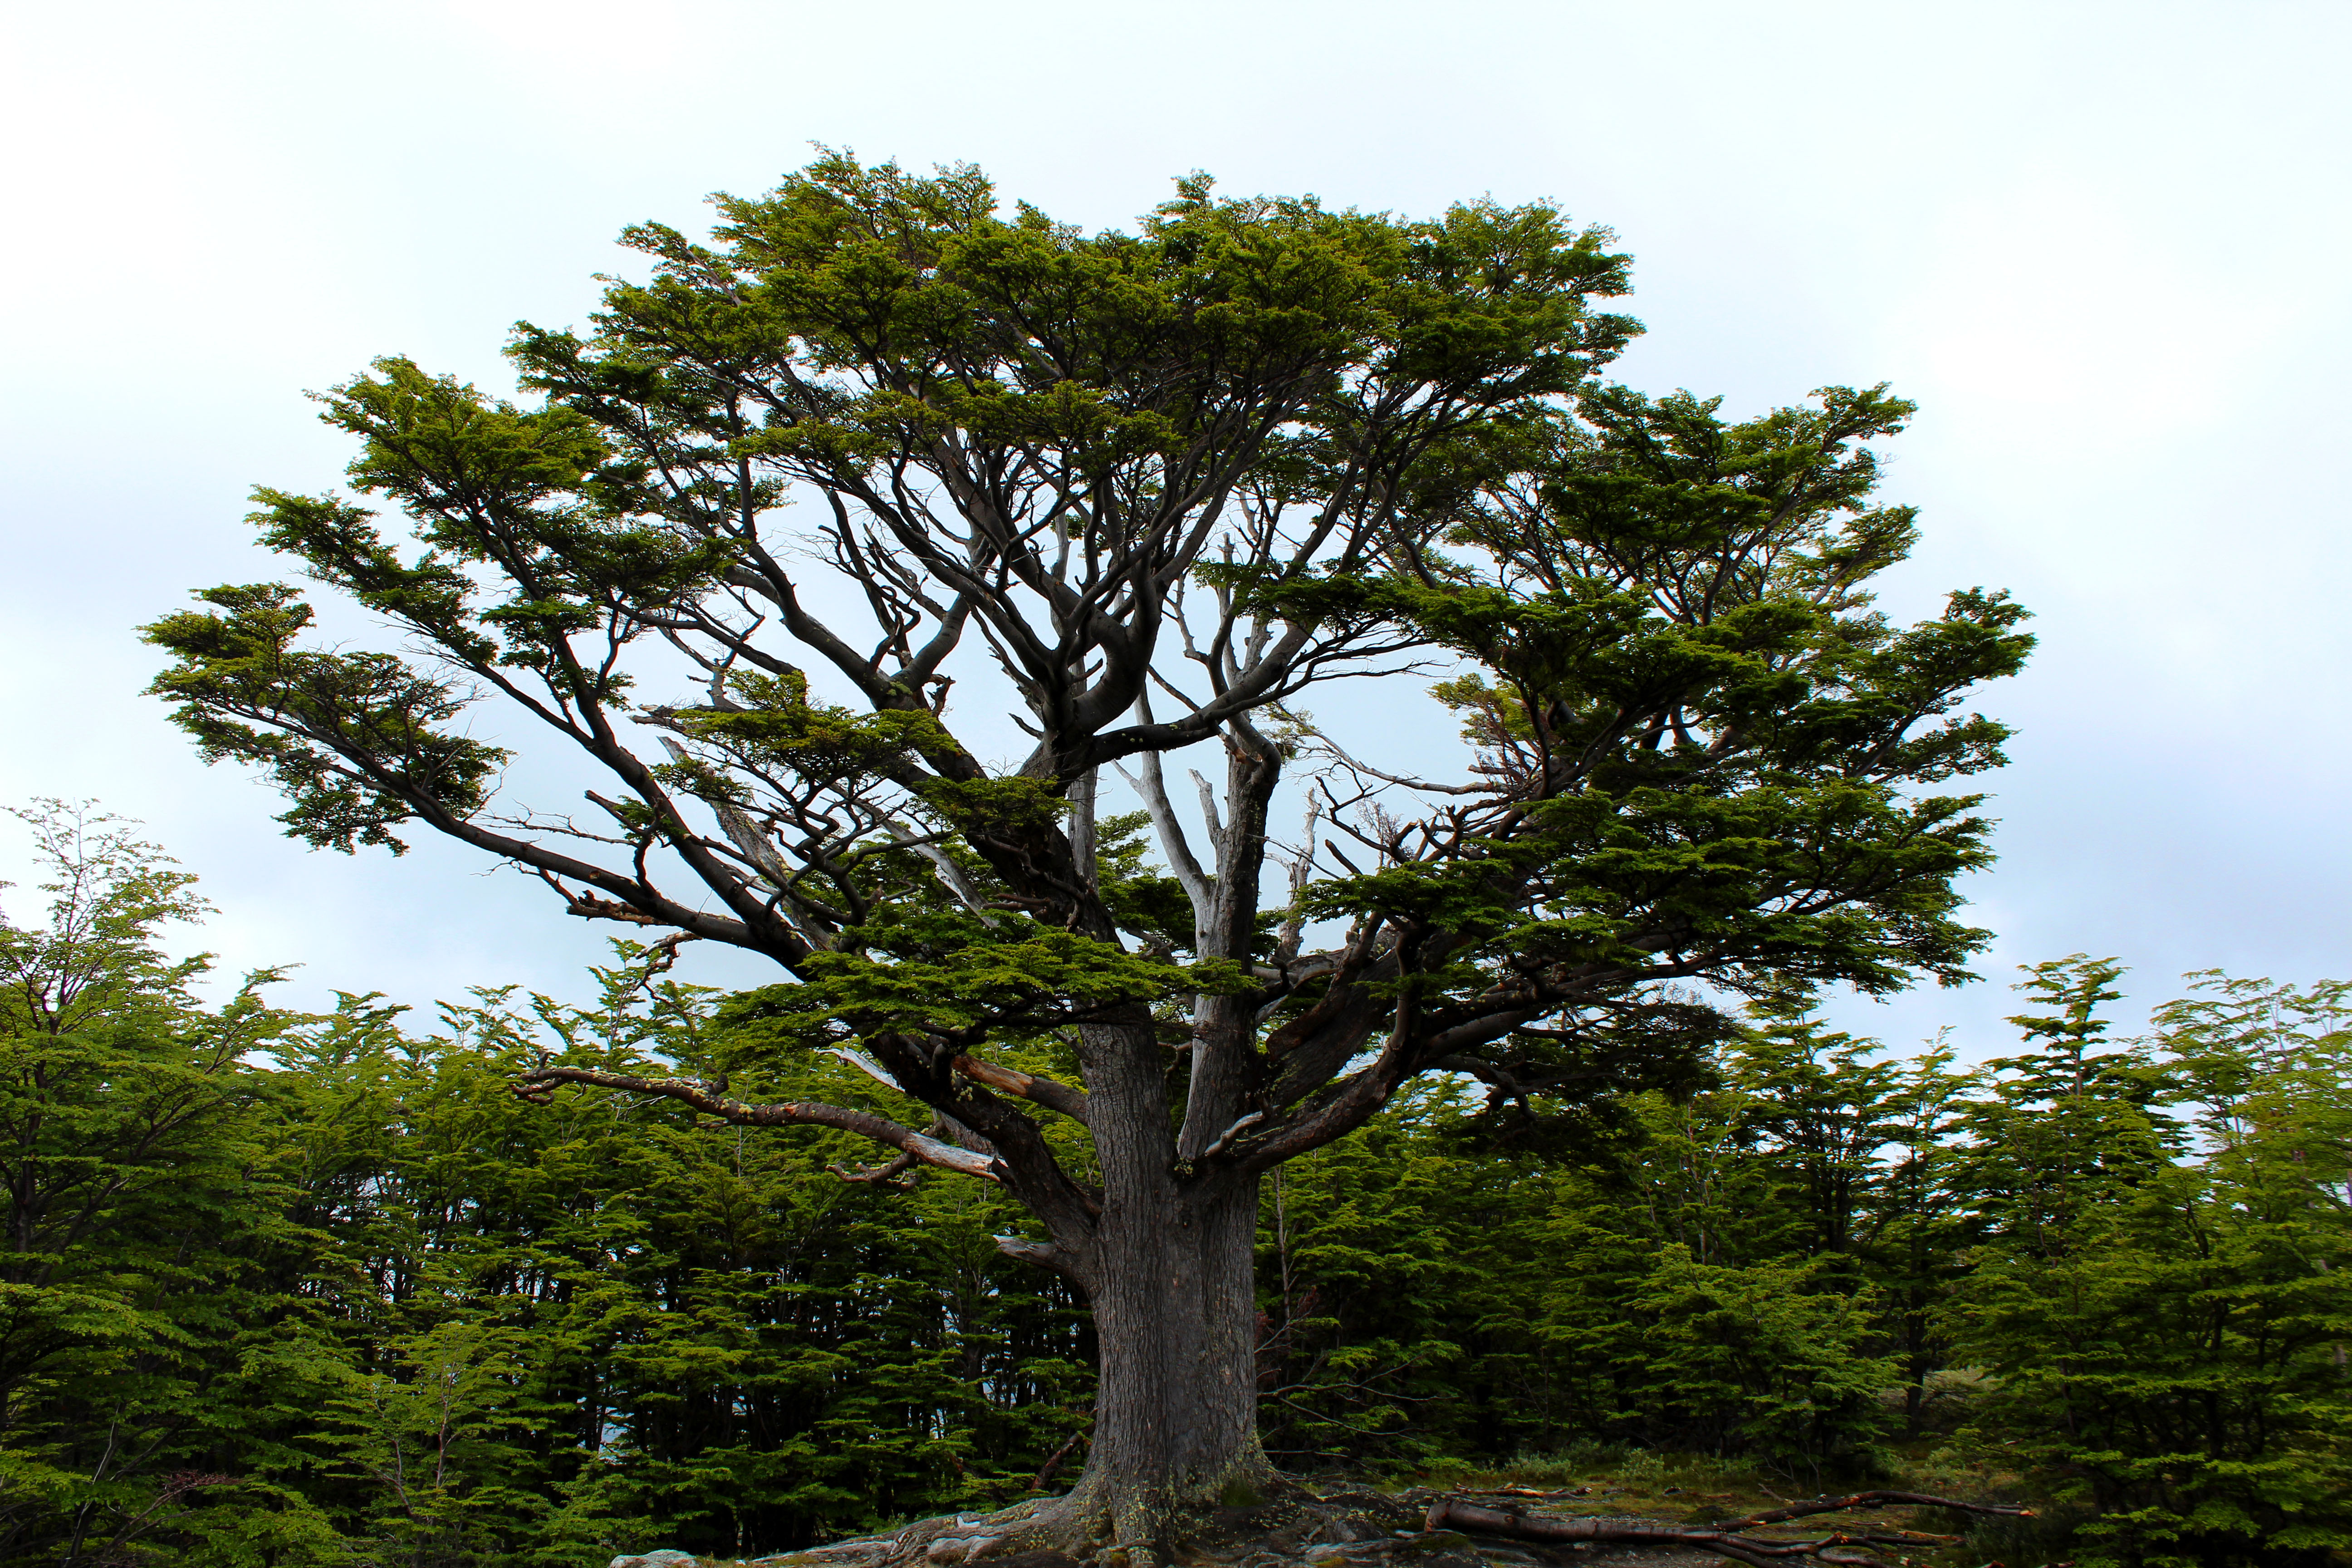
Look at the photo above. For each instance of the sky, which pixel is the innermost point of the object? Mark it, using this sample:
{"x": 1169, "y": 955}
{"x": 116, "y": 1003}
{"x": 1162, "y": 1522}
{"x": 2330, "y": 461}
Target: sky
{"x": 2102, "y": 246}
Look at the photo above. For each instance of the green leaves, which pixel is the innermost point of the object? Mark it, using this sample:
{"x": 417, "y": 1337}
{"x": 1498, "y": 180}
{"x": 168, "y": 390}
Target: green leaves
{"x": 1703, "y": 753}
{"x": 355, "y": 1298}
{"x": 135, "y": 1204}
{"x": 1422, "y": 1300}
{"x": 533, "y": 496}
{"x": 771, "y": 724}
{"x": 1252, "y": 446}
{"x": 1008, "y": 424}
{"x": 2164, "y": 1321}
{"x": 353, "y": 739}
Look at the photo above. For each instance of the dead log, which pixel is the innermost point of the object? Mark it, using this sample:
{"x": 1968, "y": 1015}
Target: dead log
{"x": 1867, "y": 1499}
{"x": 1724, "y": 1537}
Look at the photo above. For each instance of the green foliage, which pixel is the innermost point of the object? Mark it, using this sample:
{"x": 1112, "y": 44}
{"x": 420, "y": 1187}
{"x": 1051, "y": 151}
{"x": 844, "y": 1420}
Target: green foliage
{"x": 1708, "y": 756}
{"x": 1248, "y": 447}
{"x": 2117, "y": 1268}
{"x": 248, "y": 693}
{"x": 1668, "y": 621}
{"x": 286, "y": 1290}
{"x": 2168, "y": 1334}
{"x": 1427, "y": 1299}
{"x": 601, "y": 1324}
{"x": 141, "y": 1214}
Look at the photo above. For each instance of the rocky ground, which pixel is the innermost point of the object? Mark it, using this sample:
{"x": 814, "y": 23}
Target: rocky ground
{"x": 1343, "y": 1527}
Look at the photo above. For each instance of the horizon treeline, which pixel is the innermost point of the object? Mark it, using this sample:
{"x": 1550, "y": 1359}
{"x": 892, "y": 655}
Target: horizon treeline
{"x": 289, "y": 1288}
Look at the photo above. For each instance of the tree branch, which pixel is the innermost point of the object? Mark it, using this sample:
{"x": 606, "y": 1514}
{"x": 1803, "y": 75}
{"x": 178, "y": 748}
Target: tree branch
{"x": 540, "y": 1083}
{"x": 1046, "y": 1091}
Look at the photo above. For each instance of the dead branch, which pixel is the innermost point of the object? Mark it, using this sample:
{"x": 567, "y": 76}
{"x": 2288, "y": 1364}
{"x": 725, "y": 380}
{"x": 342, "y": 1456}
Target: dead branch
{"x": 1865, "y": 1499}
{"x": 883, "y": 1176}
{"x": 539, "y": 1084}
{"x": 587, "y": 906}
{"x": 1053, "y": 1460}
{"x": 1724, "y": 1537}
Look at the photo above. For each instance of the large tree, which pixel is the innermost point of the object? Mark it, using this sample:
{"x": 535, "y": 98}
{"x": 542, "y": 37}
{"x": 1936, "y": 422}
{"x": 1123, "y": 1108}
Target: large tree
{"x": 1149, "y": 489}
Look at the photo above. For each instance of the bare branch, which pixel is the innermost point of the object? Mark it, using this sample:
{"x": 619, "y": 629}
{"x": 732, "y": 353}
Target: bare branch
{"x": 884, "y": 1176}
{"x": 540, "y": 1083}
{"x": 867, "y": 1066}
{"x": 1153, "y": 788}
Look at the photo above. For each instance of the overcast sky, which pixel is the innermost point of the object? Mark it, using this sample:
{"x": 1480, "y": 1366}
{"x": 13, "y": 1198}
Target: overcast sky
{"x": 2104, "y": 246}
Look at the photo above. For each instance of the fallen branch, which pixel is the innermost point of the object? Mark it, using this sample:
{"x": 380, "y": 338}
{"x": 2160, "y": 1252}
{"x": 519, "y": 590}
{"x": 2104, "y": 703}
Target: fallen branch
{"x": 1866, "y": 1500}
{"x": 1725, "y": 1537}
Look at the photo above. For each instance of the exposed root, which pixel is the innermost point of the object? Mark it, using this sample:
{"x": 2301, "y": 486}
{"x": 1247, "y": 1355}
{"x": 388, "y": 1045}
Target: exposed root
{"x": 1084, "y": 1527}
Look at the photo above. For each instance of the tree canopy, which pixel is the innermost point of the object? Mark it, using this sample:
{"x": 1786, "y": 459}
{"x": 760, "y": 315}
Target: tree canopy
{"x": 1254, "y": 447}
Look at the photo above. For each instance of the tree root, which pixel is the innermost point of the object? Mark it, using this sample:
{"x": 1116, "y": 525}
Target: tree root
{"x": 1724, "y": 1537}
{"x": 1075, "y": 1527}
{"x": 1296, "y": 1525}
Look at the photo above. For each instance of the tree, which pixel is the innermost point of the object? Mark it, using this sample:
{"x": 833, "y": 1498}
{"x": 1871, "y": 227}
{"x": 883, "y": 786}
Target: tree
{"x": 137, "y": 1224}
{"x": 2163, "y": 1320}
{"x": 1157, "y": 485}
{"x": 288, "y": 1288}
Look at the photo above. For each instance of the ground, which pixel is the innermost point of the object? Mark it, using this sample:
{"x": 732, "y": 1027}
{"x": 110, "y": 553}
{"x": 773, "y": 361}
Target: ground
{"x": 1338, "y": 1524}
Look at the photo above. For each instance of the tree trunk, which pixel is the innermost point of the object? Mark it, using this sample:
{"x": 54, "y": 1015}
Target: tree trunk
{"x": 1171, "y": 1277}
{"x": 1176, "y": 1409}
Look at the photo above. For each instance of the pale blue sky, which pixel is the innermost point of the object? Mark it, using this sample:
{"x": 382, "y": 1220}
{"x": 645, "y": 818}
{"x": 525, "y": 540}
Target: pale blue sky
{"x": 2104, "y": 244}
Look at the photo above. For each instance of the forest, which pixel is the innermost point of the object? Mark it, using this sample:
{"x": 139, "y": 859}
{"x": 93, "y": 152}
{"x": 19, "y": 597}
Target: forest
{"x": 295, "y": 1289}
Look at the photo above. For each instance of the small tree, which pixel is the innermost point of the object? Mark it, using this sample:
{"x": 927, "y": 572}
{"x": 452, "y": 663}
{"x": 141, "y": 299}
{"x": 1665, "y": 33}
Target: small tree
{"x": 1159, "y": 484}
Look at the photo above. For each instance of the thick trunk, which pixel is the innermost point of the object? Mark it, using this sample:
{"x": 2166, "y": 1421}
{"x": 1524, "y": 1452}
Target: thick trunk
{"x": 1176, "y": 1410}
{"x": 1168, "y": 1262}
{"x": 1173, "y": 1282}
{"x": 1169, "y": 1273}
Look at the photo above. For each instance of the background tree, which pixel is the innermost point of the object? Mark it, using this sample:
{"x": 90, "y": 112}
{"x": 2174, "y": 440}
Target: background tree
{"x": 568, "y": 1329}
{"x": 1162, "y": 483}
{"x": 2166, "y": 1323}
{"x": 137, "y": 1213}
{"x": 290, "y": 1290}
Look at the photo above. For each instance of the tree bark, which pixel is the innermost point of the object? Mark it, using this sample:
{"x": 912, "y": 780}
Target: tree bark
{"x": 1176, "y": 1407}
{"x": 1171, "y": 1277}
